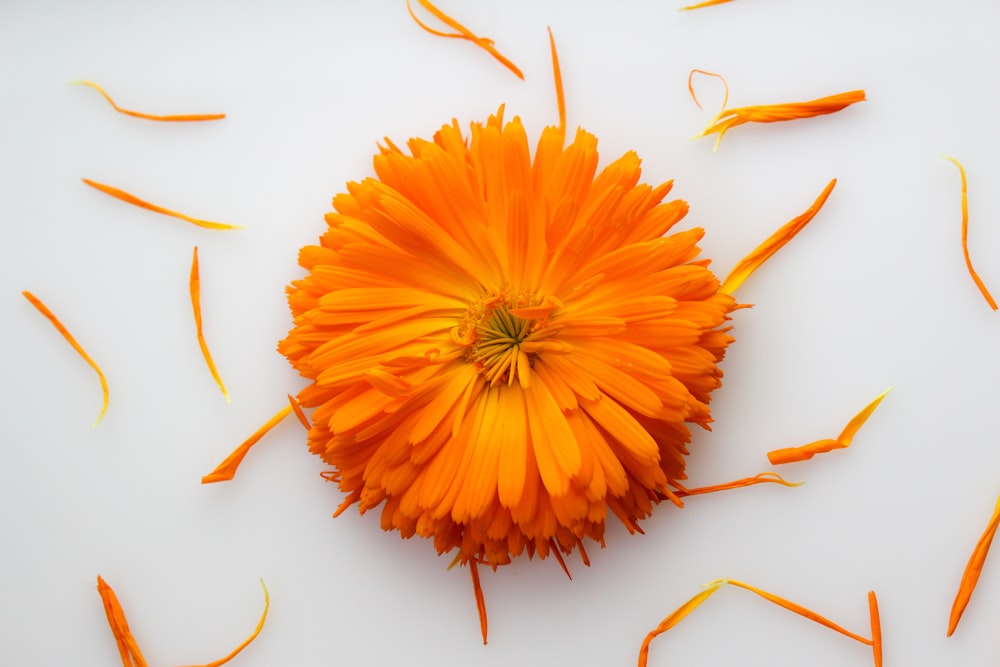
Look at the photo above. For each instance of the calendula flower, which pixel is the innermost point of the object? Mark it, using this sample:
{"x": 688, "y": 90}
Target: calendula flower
{"x": 504, "y": 348}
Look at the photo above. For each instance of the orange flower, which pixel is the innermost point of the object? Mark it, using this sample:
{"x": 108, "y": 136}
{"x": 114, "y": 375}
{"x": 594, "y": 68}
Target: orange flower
{"x": 502, "y": 349}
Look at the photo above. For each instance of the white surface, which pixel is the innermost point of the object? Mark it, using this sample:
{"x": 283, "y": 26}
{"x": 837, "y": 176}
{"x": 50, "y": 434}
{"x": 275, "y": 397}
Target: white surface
{"x": 873, "y": 294}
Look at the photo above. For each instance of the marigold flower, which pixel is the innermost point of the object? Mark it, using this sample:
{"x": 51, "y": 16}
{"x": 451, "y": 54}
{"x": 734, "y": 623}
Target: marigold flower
{"x": 502, "y": 349}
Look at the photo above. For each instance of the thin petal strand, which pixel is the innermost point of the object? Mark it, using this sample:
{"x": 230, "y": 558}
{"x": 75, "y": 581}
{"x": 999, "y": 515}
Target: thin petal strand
{"x": 462, "y": 32}
{"x": 876, "y": 628}
{"x": 253, "y": 635}
{"x": 972, "y": 570}
{"x": 195, "y": 288}
{"x": 135, "y": 201}
{"x": 557, "y": 76}
{"x": 477, "y": 589}
{"x": 227, "y": 469}
{"x": 965, "y": 237}
{"x": 128, "y": 648}
{"x": 773, "y": 243}
{"x": 800, "y": 610}
{"x": 676, "y": 617}
{"x": 44, "y": 310}
{"x": 762, "y": 478}
{"x": 148, "y": 116}
{"x": 710, "y": 588}
{"x": 843, "y": 441}
{"x": 708, "y": 3}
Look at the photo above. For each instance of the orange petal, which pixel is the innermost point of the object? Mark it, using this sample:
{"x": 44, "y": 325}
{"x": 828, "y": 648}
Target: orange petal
{"x": 147, "y": 116}
{"x": 707, "y": 3}
{"x": 965, "y": 237}
{"x": 195, "y": 287}
{"x": 806, "y": 452}
{"x": 135, "y": 201}
{"x": 847, "y": 435}
{"x": 721, "y": 78}
{"x": 802, "y": 452}
{"x": 761, "y": 478}
{"x": 557, "y": 75}
{"x": 690, "y": 605}
{"x": 477, "y": 589}
{"x": 773, "y": 244}
{"x": 972, "y": 570}
{"x": 800, "y": 610}
{"x": 253, "y": 635}
{"x": 876, "y": 628}
{"x": 299, "y": 414}
{"x": 128, "y": 649}
{"x": 675, "y": 618}
{"x": 774, "y": 113}
{"x": 227, "y": 469}
{"x": 461, "y": 33}
{"x": 43, "y": 309}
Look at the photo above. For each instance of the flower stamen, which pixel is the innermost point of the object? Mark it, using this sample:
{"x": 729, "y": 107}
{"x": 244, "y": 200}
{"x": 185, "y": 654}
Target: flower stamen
{"x": 495, "y": 331}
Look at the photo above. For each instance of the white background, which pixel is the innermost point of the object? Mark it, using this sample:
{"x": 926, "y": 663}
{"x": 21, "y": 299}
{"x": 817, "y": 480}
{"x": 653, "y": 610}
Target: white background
{"x": 874, "y": 293}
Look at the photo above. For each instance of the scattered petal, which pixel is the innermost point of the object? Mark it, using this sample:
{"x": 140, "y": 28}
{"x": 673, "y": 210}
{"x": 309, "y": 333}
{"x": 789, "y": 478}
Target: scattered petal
{"x": 773, "y": 113}
{"x": 800, "y": 610}
{"x": 195, "y": 288}
{"x": 135, "y": 201}
{"x": 972, "y": 570}
{"x": 477, "y": 589}
{"x": 876, "y": 628}
{"x": 965, "y": 236}
{"x": 43, "y": 309}
{"x": 128, "y": 648}
{"x": 711, "y": 587}
{"x": 762, "y": 478}
{"x": 227, "y": 469}
{"x": 462, "y": 33}
{"x": 774, "y": 243}
{"x": 676, "y": 617}
{"x": 843, "y": 441}
{"x": 147, "y": 116}
{"x": 253, "y": 635}
{"x": 707, "y": 3}
{"x": 557, "y": 76}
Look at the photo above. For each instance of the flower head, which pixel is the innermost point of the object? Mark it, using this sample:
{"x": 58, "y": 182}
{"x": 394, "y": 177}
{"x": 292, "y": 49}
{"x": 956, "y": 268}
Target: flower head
{"x": 503, "y": 348}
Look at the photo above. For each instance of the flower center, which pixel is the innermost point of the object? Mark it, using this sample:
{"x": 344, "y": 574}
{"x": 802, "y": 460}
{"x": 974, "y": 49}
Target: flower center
{"x": 497, "y": 333}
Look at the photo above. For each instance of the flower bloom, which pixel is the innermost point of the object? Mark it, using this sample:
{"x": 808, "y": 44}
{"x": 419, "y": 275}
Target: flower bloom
{"x": 502, "y": 348}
